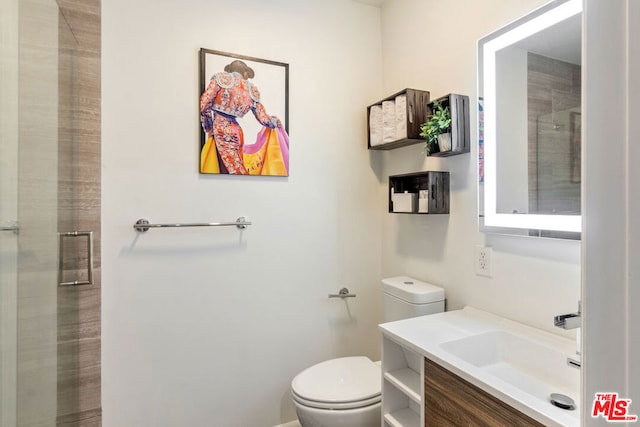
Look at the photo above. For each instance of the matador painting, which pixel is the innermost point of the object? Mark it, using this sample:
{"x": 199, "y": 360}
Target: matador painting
{"x": 244, "y": 128}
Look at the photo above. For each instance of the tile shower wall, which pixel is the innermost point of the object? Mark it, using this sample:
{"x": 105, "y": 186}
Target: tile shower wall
{"x": 79, "y": 162}
{"x": 208, "y": 326}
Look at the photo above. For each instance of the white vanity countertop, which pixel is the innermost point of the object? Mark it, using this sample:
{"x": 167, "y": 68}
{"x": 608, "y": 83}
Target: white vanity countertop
{"x": 426, "y": 334}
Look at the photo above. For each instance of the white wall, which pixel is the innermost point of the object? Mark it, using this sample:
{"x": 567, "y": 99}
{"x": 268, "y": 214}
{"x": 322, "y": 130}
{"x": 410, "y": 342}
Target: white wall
{"x": 432, "y": 45}
{"x": 208, "y": 326}
{"x": 610, "y": 267}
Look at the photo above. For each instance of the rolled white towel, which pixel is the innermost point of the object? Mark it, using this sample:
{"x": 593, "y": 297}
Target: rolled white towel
{"x": 375, "y": 125}
{"x": 388, "y": 121}
{"x": 401, "y": 117}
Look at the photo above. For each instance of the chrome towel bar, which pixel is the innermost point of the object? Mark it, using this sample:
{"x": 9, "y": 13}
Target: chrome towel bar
{"x": 143, "y": 224}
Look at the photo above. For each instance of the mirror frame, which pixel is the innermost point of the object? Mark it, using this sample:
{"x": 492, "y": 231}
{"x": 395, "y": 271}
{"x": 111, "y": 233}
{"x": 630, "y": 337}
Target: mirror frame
{"x": 538, "y": 20}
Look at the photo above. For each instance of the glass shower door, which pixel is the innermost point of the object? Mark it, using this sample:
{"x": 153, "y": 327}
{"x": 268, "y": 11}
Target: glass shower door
{"x": 558, "y": 163}
{"x": 45, "y": 255}
{"x": 9, "y": 49}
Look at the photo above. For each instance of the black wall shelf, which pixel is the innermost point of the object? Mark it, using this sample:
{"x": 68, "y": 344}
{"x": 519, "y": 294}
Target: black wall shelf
{"x": 417, "y": 113}
{"x": 460, "y": 124}
{"x": 436, "y": 183}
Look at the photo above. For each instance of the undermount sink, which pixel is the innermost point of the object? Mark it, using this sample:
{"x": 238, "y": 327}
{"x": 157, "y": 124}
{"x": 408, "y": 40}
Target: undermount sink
{"x": 531, "y": 366}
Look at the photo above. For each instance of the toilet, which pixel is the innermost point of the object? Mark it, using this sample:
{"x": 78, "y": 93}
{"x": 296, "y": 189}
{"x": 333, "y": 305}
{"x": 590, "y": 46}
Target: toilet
{"x": 346, "y": 392}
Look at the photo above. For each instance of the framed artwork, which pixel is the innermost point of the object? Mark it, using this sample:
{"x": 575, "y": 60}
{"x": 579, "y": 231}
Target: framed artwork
{"x": 244, "y": 115}
{"x": 575, "y": 133}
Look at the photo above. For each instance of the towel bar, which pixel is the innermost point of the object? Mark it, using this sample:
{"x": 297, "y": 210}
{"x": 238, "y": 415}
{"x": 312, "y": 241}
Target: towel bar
{"x": 143, "y": 224}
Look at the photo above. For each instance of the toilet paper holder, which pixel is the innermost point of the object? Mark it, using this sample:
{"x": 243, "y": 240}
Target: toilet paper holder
{"x": 343, "y": 293}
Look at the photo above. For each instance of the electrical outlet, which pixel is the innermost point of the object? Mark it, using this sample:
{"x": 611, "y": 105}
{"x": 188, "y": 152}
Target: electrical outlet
{"x": 483, "y": 261}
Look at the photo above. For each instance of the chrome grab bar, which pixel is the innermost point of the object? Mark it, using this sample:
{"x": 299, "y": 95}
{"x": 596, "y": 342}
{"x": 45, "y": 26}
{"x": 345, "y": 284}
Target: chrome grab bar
{"x": 143, "y": 224}
{"x": 89, "y": 236}
{"x": 343, "y": 293}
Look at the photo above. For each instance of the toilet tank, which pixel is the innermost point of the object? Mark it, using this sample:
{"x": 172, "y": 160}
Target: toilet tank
{"x": 404, "y": 297}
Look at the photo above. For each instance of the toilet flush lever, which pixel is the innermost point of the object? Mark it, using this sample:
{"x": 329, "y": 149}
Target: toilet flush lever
{"x": 342, "y": 293}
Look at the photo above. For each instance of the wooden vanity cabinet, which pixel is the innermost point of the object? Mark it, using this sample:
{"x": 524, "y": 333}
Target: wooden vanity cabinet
{"x": 452, "y": 401}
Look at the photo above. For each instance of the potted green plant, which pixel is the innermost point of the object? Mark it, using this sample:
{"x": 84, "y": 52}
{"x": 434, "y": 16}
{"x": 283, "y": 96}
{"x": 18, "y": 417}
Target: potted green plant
{"x": 437, "y": 128}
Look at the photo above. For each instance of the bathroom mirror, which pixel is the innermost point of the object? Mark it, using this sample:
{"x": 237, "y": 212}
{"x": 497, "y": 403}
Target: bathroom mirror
{"x": 529, "y": 86}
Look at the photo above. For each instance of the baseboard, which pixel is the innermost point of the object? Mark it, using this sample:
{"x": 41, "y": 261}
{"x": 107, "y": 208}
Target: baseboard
{"x": 294, "y": 423}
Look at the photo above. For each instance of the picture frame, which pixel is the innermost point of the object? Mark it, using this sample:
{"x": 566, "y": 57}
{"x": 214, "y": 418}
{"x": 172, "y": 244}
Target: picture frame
{"x": 266, "y": 88}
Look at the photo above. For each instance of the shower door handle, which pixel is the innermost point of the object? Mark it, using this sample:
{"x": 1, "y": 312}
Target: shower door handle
{"x": 10, "y": 226}
{"x": 89, "y": 236}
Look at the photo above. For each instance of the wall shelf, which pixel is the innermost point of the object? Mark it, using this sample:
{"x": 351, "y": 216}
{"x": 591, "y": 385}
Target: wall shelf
{"x": 435, "y": 183}
{"x": 416, "y": 113}
{"x": 460, "y": 124}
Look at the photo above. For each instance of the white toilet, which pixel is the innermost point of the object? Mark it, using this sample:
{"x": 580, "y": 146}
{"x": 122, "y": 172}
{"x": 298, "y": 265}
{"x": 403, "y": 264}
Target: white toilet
{"x": 346, "y": 392}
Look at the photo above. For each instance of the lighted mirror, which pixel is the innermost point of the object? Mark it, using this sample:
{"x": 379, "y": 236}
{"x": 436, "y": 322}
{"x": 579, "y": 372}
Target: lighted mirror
{"x": 529, "y": 85}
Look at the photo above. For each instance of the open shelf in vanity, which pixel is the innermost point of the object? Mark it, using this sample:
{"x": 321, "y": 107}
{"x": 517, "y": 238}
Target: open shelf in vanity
{"x": 402, "y": 386}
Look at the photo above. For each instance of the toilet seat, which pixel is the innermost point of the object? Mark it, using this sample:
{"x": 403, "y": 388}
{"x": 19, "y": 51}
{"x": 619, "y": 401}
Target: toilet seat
{"x": 337, "y": 405}
{"x": 343, "y": 383}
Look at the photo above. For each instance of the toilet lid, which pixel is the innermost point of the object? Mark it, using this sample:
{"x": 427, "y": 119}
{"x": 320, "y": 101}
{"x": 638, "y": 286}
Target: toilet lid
{"x": 346, "y": 379}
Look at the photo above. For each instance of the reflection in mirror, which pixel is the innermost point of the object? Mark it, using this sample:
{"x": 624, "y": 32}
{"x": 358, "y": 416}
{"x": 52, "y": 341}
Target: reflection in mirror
{"x": 530, "y": 82}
